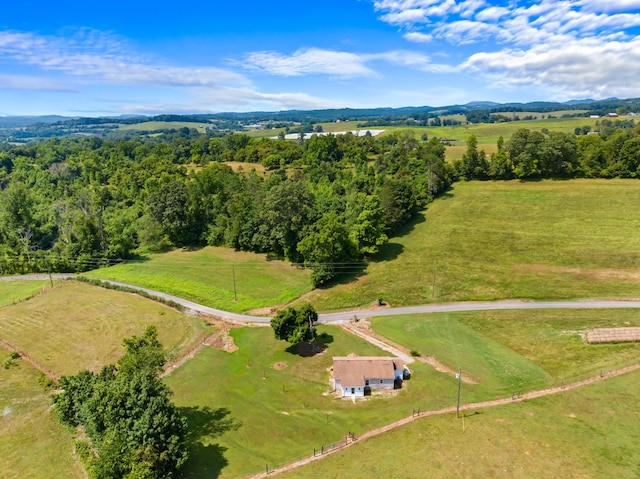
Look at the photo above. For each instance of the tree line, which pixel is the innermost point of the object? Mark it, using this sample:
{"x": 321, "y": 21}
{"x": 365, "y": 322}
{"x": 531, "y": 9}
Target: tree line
{"x": 614, "y": 152}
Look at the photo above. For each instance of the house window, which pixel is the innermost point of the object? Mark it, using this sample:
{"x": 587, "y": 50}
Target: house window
{"x": 382, "y": 381}
{"x": 366, "y": 382}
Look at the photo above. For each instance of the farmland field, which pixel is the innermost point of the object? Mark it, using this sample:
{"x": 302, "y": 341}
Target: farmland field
{"x": 516, "y": 350}
{"x": 33, "y": 444}
{"x": 590, "y": 432}
{"x": 267, "y": 414}
{"x": 76, "y": 326}
{"x": 206, "y": 276}
{"x": 507, "y": 239}
{"x": 14, "y": 291}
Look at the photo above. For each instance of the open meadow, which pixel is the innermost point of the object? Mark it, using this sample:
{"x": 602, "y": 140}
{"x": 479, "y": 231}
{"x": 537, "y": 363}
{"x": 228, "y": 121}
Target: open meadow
{"x": 207, "y": 275}
{"x": 270, "y": 405}
{"x": 33, "y": 444}
{"x": 513, "y": 350}
{"x": 15, "y": 291}
{"x": 507, "y": 239}
{"x": 75, "y": 326}
{"x": 591, "y": 432}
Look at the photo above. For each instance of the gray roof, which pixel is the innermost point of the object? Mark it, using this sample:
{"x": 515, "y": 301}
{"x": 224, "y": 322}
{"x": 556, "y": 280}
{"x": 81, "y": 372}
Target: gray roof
{"x": 354, "y": 370}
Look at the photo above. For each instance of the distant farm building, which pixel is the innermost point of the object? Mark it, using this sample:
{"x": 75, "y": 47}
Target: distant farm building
{"x": 357, "y": 376}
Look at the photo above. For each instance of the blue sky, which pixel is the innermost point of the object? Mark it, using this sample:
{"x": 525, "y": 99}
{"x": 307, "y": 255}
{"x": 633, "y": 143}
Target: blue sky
{"x": 116, "y": 57}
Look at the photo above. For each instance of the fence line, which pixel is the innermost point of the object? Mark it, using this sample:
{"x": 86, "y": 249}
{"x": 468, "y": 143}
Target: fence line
{"x": 417, "y": 414}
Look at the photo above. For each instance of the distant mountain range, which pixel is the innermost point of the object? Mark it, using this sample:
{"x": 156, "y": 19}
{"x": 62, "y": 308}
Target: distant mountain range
{"x": 313, "y": 116}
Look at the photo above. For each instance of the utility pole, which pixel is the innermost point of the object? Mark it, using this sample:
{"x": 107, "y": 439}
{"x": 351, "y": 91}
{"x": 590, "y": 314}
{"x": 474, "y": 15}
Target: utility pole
{"x": 459, "y": 377}
{"x": 233, "y": 271}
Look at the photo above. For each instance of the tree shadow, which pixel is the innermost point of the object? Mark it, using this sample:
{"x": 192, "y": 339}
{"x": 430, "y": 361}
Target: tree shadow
{"x": 206, "y": 459}
{"x": 307, "y": 350}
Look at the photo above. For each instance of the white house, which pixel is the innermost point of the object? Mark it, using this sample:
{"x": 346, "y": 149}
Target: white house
{"x": 357, "y": 375}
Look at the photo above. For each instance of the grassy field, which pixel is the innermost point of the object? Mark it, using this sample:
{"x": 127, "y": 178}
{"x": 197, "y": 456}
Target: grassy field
{"x": 516, "y": 350}
{"x": 33, "y": 444}
{"x": 586, "y": 433}
{"x": 496, "y": 240}
{"x": 76, "y": 326}
{"x": 262, "y": 414}
{"x": 206, "y": 276}
{"x": 14, "y": 291}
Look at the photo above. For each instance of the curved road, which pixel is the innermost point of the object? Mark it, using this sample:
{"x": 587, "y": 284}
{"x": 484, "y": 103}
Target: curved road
{"x": 345, "y": 316}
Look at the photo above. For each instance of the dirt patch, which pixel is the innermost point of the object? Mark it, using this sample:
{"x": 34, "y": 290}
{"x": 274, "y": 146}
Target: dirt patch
{"x": 222, "y": 340}
{"x": 279, "y": 366}
{"x": 438, "y": 366}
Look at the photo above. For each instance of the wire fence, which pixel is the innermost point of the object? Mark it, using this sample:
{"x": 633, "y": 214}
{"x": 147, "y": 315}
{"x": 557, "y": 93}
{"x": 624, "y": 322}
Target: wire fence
{"x": 463, "y": 409}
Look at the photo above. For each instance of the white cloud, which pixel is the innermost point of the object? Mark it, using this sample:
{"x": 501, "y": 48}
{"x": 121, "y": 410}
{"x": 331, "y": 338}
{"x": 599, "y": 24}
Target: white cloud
{"x": 584, "y": 67}
{"x": 98, "y": 57}
{"x": 610, "y": 5}
{"x": 310, "y": 61}
{"x": 418, "y": 37}
{"x": 567, "y": 48}
{"x": 313, "y": 61}
{"x": 24, "y": 82}
{"x": 491, "y": 14}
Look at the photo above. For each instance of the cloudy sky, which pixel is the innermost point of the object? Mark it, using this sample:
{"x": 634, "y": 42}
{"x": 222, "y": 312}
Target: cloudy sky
{"x": 122, "y": 57}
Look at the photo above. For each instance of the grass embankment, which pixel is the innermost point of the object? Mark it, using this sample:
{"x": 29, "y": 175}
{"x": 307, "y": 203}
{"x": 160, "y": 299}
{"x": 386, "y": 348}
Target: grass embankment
{"x": 15, "y": 291}
{"x": 267, "y": 415}
{"x": 206, "y": 276}
{"x": 33, "y": 444}
{"x": 507, "y": 351}
{"x": 76, "y": 326}
{"x": 585, "y": 433}
{"x": 498, "y": 240}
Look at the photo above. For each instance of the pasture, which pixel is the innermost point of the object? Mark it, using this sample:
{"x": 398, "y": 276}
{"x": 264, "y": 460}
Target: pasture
{"x": 513, "y": 350}
{"x": 507, "y": 239}
{"x": 75, "y": 326}
{"x": 268, "y": 405}
{"x": 206, "y": 276}
{"x": 33, "y": 444}
{"x": 584, "y": 433}
{"x": 14, "y": 291}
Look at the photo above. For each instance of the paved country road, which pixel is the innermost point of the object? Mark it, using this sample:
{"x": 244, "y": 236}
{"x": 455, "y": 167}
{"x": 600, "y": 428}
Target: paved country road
{"x": 345, "y": 316}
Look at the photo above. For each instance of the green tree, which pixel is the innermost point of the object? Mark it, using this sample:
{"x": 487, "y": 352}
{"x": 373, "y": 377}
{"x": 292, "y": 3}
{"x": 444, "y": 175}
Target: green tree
{"x": 126, "y": 412}
{"x": 295, "y": 326}
{"x": 327, "y": 246}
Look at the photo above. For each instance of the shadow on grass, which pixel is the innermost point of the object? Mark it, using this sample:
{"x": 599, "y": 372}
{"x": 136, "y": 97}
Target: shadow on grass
{"x": 206, "y": 459}
{"x": 307, "y": 350}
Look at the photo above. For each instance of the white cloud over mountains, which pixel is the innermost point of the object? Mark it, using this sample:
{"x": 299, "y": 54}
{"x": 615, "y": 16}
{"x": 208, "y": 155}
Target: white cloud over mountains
{"x": 567, "y": 48}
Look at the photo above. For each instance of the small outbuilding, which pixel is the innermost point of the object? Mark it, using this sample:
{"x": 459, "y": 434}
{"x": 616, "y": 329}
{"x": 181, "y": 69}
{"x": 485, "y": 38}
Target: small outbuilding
{"x": 358, "y": 375}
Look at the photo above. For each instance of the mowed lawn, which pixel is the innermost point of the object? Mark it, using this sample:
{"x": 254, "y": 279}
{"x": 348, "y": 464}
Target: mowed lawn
{"x": 508, "y": 239}
{"x": 590, "y": 432}
{"x": 206, "y": 276}
{"x": 507, "y": 351}
{"x": 260, "y": 412}
{"x": 77, "y": 326}
{"x": 33, "y": 444}
{"x": 14, "y": 291}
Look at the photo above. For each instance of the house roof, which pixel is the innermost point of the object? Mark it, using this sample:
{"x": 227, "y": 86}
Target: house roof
{"x": 354, "y": 370}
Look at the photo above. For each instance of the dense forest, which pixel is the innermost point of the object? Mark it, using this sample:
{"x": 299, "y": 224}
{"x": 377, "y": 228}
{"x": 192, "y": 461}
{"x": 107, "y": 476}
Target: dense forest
{"x": 75, "y": 203}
